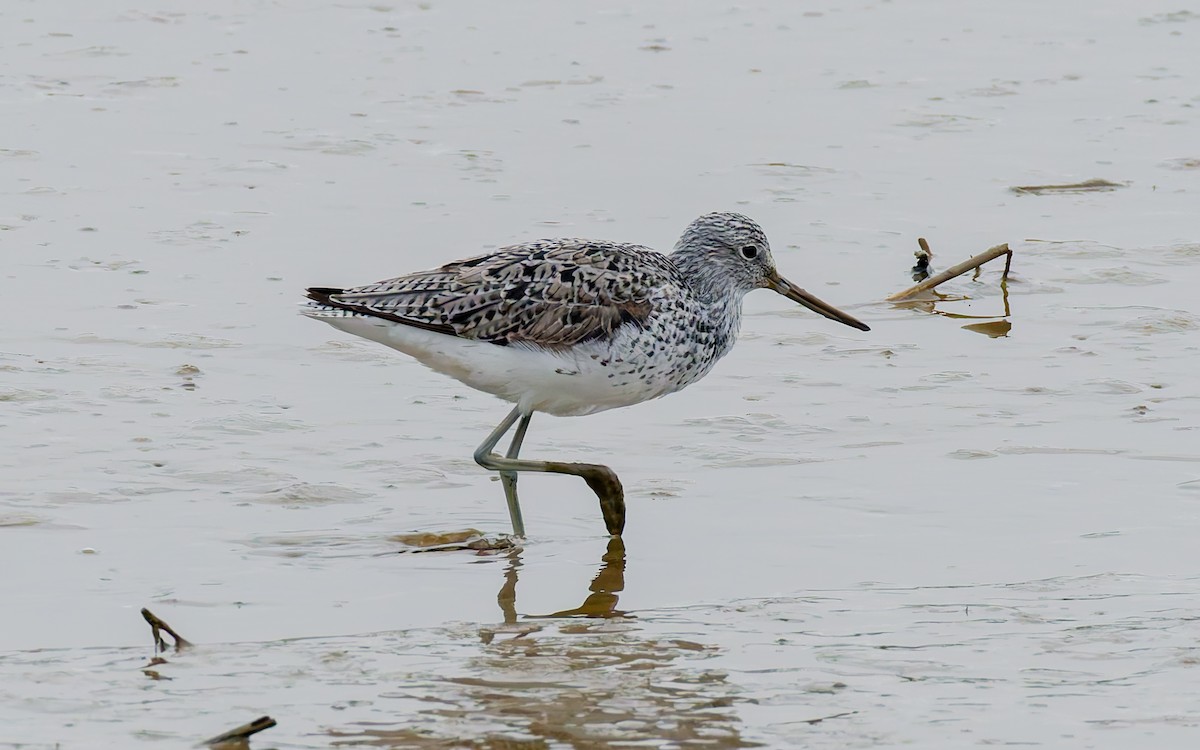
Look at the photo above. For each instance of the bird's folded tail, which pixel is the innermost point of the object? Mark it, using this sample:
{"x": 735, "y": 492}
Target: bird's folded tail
{"x": 323, "y": 305}
{"x": 322, "y": 294}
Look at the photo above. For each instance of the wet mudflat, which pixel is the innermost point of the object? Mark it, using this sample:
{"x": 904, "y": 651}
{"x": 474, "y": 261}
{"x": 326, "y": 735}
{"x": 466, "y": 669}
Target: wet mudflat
{"x": 963, "y": 528}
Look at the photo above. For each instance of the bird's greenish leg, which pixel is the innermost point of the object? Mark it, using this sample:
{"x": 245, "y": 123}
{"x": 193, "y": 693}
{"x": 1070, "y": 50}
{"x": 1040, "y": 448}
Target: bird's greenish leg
{"x": 509, "y": 478}
{"x": 601, "y": 479}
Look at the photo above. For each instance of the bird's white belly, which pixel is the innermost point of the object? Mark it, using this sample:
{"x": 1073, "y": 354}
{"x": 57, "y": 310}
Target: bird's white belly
{"x": 571, "y": 382}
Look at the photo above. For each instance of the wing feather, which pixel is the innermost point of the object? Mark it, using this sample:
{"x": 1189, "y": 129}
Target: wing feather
{"x": 552, "y": 294}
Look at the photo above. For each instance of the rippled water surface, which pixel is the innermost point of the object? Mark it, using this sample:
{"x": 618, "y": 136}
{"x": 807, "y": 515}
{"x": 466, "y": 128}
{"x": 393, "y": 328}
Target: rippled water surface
{"x": 974, "y": 525}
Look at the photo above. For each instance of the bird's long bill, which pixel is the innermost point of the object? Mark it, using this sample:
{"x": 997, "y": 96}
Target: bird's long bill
{"x": 796, "y": 294}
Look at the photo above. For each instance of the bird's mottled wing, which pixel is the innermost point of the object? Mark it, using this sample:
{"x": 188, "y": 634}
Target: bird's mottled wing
{"x": 551, "y": 294}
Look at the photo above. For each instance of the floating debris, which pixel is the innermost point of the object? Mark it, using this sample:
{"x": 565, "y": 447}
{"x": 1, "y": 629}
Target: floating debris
{"x": 1087, "y": 186}
{"x": 189, "y": 374}
{"x": 450, "y": 541}
{"x": 924, "y": 257}
{"x": 158, "y": 627}
{"x": 969, "y": 264}
{"x": 238, "y": 737}
{"x": 995, "y": 329}
{"x": 1182, "y": 163}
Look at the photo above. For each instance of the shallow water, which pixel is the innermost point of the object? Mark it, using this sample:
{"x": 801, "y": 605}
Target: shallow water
{"x": 919, "y": 535}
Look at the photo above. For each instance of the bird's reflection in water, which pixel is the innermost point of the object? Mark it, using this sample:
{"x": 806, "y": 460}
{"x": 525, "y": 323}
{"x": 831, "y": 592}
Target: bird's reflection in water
{"x": 591, "y": 676}
{"x": 600, "y": 603}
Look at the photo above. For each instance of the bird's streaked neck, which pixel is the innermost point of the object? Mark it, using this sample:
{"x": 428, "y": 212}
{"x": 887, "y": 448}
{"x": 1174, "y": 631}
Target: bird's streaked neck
{"x": 710, "y": 282}
{"x": 717, "y": 291}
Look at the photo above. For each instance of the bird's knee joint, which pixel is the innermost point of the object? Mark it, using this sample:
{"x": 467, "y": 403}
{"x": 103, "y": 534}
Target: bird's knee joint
{"x": 483, "y": 457}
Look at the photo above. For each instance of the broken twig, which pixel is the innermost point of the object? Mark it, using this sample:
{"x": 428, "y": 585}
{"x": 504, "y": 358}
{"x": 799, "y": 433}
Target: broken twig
{"x": 958, "y": 270}
{"x": 158, "y": 627}
{"x": 236, "y": 737}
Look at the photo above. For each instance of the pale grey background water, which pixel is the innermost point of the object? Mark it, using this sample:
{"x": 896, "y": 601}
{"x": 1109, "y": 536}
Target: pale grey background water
{"x": 941, "y": 538}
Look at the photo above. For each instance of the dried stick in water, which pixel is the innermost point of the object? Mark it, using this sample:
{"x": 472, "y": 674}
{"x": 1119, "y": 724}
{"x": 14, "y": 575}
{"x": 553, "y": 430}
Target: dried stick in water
{"x": 958, "y": 270}
{"x": 238, "y": 736}
{"x": 158, "y": 627}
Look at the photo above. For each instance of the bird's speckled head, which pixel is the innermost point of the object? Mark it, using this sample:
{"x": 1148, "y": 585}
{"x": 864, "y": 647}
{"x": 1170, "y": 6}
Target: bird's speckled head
{"x": 726, "y": 255}
{"x": 726, "y": 249}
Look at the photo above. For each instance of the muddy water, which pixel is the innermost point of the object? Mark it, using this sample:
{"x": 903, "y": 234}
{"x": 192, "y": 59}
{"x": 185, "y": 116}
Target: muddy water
{"x": 930, "y": 534}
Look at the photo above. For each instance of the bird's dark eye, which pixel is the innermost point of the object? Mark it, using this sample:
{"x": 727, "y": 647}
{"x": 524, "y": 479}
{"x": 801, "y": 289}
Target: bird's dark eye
{"x": 749, "y": 252}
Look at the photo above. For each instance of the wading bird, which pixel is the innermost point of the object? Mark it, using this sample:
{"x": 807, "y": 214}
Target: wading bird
{"x": 571, "y": 327}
